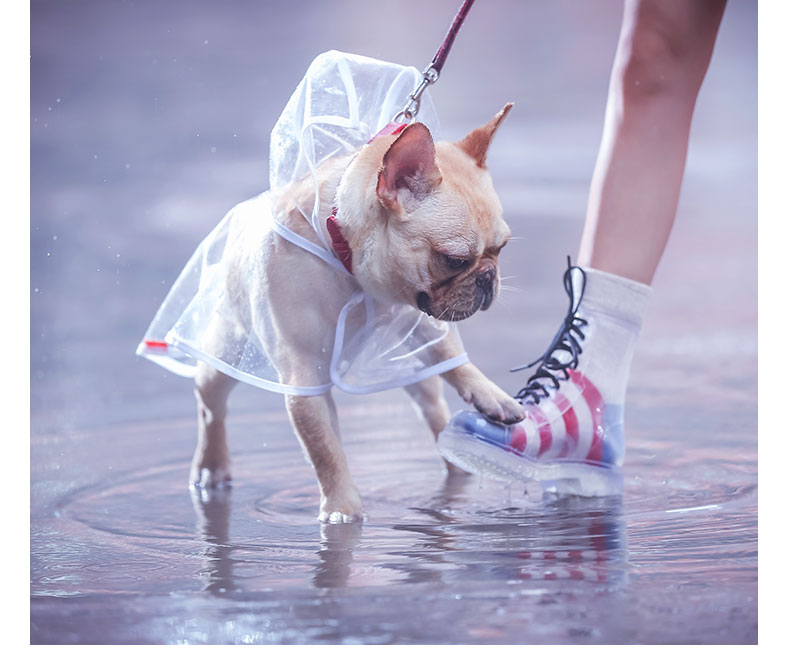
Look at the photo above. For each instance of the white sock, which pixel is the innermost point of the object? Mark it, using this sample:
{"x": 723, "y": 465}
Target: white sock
{"x": 614, "y": 308}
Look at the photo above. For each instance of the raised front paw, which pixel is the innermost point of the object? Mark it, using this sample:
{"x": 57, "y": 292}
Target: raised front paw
{"x": 342, "y": 508}
{"x": 496, "y": 404}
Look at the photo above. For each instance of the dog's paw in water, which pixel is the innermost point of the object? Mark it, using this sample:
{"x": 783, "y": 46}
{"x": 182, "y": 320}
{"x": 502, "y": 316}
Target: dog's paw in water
{"x": 341, "y": 510}
{"x": 210, "y": 477}
{"x": 336, "y": 517}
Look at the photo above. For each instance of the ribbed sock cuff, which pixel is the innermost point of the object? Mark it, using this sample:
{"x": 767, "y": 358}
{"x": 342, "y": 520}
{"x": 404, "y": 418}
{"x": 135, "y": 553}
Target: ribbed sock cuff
{"x": 617, "y": 296}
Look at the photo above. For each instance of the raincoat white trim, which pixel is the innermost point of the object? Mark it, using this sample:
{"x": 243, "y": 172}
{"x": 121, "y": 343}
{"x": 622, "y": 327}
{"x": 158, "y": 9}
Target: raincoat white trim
{"x": 198, "y": 293}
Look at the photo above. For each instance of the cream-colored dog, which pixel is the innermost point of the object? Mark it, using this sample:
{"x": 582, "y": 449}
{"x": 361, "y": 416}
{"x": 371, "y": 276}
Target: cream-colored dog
{"x": 425, "y": 227}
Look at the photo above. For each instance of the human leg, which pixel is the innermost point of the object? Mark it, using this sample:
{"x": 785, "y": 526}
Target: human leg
{"x": 572, "y": 438}
{"x": 662, "y": 57}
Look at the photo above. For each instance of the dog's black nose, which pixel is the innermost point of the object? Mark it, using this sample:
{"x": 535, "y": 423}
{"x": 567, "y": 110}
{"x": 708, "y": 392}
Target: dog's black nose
{"x": 485, "y": 283}
{"x": 485, "y": 280}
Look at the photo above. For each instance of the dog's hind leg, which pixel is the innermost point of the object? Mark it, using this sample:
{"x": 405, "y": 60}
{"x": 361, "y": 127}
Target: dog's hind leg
{"x": 211, "y": 462}
{"x": 315, "y": 421}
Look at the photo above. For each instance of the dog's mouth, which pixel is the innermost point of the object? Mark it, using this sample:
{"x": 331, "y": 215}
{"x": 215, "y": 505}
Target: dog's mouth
{"x": 450, "y": 313}
{"x": 424, "y": 303}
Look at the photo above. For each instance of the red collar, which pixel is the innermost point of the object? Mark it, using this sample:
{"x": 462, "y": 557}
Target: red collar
{"x": 339, "y": 243}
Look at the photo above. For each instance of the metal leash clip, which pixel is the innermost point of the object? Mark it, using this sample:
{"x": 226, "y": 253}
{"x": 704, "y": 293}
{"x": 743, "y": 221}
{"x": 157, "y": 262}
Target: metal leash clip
{"x": 431, "y": 72}
{"x": 412, "y": 108}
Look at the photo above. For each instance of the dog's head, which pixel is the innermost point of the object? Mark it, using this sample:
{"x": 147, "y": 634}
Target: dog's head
{"x": 432, "y": 228}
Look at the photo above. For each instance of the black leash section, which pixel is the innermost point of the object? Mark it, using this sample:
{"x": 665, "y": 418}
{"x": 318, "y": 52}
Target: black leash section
{"x": 431, "y": 73}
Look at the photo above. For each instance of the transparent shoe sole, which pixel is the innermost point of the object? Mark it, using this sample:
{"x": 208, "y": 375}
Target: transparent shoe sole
{"x": 564, "y": 478}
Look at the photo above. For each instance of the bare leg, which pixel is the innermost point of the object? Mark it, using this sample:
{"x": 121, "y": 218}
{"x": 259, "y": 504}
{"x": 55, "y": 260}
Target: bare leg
{"x": 211, "y": 462}
{"x": 662, "y": 57}
{"x": 315, "y": 421}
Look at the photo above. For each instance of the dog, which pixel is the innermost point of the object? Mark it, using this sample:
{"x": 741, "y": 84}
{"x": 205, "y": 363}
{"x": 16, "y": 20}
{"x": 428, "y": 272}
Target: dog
{"x": 423, "y": 227}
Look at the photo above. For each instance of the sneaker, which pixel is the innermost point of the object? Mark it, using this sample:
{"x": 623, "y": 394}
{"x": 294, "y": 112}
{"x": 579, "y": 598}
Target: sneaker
{"x": 572, "y": 440}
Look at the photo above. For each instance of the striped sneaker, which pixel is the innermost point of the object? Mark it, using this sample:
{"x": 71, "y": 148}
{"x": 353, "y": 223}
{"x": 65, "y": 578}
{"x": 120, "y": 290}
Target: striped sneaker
{"x": 572, "y": 439}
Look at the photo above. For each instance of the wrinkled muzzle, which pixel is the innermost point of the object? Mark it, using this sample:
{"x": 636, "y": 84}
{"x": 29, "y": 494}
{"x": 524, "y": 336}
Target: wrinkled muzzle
{"x": 462, "y": 298}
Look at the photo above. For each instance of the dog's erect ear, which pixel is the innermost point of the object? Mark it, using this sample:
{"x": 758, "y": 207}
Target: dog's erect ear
{"x": 477, "y": 142}
{"x": 409, "y": 164}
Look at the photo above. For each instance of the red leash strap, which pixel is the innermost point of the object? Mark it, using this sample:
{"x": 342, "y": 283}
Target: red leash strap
{"x": 444, "y": 49}
{"x": 431, "y": 73}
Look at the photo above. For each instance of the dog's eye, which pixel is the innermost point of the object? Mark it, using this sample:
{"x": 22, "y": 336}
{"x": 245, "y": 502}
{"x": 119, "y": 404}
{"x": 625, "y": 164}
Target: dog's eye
{"x": 455, "y": 263}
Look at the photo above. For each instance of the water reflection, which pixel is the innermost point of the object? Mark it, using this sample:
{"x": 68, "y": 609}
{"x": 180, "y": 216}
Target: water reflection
{"x": 336, "y": 554}
{"x": 448, "y": 540}
{"x": 213, "y": 508}
{"x": 570, "y": 539}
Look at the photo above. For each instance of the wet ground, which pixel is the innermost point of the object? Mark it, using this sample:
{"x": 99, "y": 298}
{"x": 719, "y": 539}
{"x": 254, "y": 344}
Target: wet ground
{"x": 148, "y": 121}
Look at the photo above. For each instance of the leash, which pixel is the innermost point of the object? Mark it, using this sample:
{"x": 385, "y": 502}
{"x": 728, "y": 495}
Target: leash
{"x": 432, "y": 71}
{"x": 406, "y": 115}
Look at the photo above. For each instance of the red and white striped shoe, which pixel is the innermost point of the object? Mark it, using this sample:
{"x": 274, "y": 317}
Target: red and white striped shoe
{"x": 572, "y": 439}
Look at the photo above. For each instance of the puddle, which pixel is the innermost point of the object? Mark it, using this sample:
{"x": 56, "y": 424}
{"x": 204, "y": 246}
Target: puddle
{"x": 148, "y": 122}
{"x": 441, "y": 559}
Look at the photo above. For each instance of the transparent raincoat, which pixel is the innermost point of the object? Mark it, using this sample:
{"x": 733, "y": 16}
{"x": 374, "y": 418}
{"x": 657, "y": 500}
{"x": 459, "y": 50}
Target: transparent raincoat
{"x": 341, "y": 103}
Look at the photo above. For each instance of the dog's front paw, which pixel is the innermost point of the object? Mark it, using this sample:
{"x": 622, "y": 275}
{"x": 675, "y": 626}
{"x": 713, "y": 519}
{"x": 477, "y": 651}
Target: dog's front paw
{"x": 496, "y": 404}
{"x": 341, "y": 509}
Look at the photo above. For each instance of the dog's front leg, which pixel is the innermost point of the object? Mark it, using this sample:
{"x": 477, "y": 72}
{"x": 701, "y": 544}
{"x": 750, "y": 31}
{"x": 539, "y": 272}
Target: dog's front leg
{"x": 485, "y": 395}
{"x": 315, "y": 421}
{"x": 429, "y": 398}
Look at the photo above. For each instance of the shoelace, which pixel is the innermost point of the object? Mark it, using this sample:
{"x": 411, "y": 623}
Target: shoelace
{"x": 567, "y": 340}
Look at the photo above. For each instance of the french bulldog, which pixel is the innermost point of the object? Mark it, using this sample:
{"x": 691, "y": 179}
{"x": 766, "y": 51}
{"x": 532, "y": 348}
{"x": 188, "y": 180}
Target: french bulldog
{"x": 424, "y": 228}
